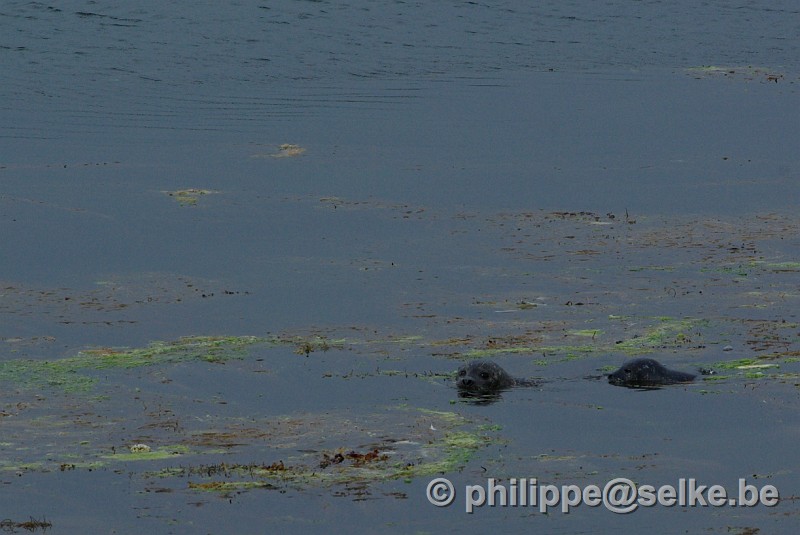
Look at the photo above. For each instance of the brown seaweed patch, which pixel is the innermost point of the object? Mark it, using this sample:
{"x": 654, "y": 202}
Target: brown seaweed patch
{"x": 513, "y": 341}
{"x": 106, "y": 302}
{"x": 285, "y": 150}
{"x": 305, "y": 344}
{"x": 589, "y": 217}
{"x": 230, "y": 469}
{"x": 227, "y": 438}
{"x": 308, "y": 346}
{"x": 32, "y": 525}
{"x": 744, "y": 72}
{"x": 357, "y": 459}
{"x": 399, "y": 210}
{"x": 229, "y": 486}
{"x": 404, "y": 443}
{"x": 771, "y": 335}
{"x": 668, "y": 333}
{"x": 458, "y": 341}
{"x": 660, "y": 333}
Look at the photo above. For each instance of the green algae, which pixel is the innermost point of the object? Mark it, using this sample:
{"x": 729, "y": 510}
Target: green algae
{"x": 571, "y": 353}
{"x": 413, "y": 443}
{"x": 716, "y": 377}
{"x": 189, "y": 196}
{"x": 408, "y": 339}
{"x": 651, "y": 268}
{"x": 430, "y": 442}
{"x": 83, "y": 465}
{"x": 669, "y": 332}
{"x": 754, "y": 375}
{"x": 490, "y": 352}
{"x": 738, "y": 270}
{"x": 748, "y": 368}
{"x": 666, "y": 332}
{"x": 743, "y": 364}
{"x": 71, "y": 373}
{"x": 154, "y": 454}
{"x": 36, "y": 466}
{"x": 416, "y": 443}
{"x": 591, "y": 333}
{"x": 778, "y": 266}
{"x": 451, "y": 418}
{"x": 457, "y": 449}
{"x": 307, "y": 344}
{"x": 454, "y": 445}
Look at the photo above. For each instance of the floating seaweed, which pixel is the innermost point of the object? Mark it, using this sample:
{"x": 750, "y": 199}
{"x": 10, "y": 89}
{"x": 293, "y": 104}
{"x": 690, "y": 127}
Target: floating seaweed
{"x": 189, "y": 196}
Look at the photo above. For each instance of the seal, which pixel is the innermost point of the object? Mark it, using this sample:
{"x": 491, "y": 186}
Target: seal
{"x": 647, "y": 373}
{"x": 485, "y": 378}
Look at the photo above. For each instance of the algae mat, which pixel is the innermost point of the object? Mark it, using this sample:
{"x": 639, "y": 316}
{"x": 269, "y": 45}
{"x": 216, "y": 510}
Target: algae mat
{"x": 368, "y": 411}
{"x": 86, "y": 411}
{"x": 71, "y": 414}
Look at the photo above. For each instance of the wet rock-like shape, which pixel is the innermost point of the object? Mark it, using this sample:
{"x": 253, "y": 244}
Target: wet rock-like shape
{"x": 483, "y": 377}
{"x": 647, "y": 373}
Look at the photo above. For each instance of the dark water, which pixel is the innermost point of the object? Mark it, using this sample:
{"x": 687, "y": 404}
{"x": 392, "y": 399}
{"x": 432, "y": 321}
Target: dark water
{"x": 505, "y": 105}
{"x": 438, "y": 137}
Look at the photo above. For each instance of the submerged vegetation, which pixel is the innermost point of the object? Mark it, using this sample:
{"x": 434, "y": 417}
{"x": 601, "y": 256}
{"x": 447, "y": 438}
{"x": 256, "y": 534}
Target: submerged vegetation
{"x": 551, "y": 344}
{"x": 407, "y": 451}
{"x": 72, "y": 373}
{"x": 414, "y": 442}
{"x": 165, "y": 415}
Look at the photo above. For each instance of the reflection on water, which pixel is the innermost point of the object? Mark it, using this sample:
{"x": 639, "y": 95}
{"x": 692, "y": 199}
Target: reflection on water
{"x": 393, "y": 187}
{"x": 182, "y": 65}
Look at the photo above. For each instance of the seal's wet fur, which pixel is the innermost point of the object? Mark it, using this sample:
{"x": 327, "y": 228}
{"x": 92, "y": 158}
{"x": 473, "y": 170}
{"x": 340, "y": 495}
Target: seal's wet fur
{"x": 483, "y": 377}
{"x": 647, "y": 373}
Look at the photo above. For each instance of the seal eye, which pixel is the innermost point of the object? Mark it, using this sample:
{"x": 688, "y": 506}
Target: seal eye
{"x": 462, "y": 373}
{"x": 484, "y": 375}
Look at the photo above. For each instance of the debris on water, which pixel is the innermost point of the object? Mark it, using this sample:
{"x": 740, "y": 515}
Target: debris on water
{"x": 140, "y": 448}
{"x": 190, "y": 196}
{"x": 358, "y": 459}
{"x": 745, "y": 72}
{"x": 10, "y": 526}
{"x": 285, "y": 150}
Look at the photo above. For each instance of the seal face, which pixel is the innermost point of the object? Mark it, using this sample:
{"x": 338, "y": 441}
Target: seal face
{"x": 647, "y": 373}
{"x": 483, "y": 377}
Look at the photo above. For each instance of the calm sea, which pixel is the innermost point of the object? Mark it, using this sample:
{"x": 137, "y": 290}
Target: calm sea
{"x": 456, "y": 116}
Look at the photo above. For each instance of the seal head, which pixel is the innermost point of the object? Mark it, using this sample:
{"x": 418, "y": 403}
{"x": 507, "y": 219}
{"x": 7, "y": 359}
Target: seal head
{"x": 483, "y": 377}
{"x": 647, "y": 373}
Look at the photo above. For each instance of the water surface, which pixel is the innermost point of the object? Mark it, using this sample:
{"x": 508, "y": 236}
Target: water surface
{"x": 556, "y": 186}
